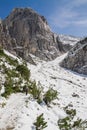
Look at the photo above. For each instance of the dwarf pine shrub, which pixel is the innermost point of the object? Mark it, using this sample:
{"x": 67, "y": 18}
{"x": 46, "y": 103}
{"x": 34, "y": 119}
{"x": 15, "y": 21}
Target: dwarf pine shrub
{"x": 71, "y": 113}
{"x": 36, "y": 91}
{"x": 40, "y": 123}
{"x": 1, "y": 52}
{"x": 50, "y": 95}
{"x": 10, "y": 60}
{"x": 24, "y": 71}
{"x": 64, "y": 124}
{"x": 8, "y": 87}
{"x": 69, "y": 123}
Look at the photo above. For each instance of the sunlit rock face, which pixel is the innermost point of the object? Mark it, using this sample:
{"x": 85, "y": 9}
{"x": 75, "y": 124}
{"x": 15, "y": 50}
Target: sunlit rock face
{"x": 33, "y": 35}
{"x": 6, "y": 41}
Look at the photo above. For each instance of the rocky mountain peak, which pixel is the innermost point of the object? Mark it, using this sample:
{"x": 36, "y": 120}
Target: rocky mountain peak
{"x": 32, "y": 34}
{"x": 29, "y": 32}
{"x": 30, "y": 17}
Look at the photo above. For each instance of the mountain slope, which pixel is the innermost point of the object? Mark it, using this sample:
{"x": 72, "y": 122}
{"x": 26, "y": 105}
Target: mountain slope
{"x": 21, "y": 111}
{"x": 33, "y": 35}
{"x": 76, "y": 59}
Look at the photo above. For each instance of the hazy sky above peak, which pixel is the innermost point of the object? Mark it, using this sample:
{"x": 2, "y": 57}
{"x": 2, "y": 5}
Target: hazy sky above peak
{"x": 64, "y": 16}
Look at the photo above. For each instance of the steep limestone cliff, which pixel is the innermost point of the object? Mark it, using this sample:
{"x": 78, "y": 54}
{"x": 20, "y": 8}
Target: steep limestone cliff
{"x": 33, "y": 35}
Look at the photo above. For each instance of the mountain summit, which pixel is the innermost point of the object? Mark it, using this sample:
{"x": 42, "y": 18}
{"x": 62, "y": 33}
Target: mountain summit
{"x": 30, "y": 33}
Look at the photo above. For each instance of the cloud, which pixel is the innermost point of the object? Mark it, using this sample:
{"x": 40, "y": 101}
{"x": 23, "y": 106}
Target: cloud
{"x": 68, "y": 15}
{"x": 80, "y": 22}
{"x": 75, "y": 3}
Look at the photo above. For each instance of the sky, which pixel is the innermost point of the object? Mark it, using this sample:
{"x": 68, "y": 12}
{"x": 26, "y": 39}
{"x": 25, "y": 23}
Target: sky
{"x": 67, "y": 17}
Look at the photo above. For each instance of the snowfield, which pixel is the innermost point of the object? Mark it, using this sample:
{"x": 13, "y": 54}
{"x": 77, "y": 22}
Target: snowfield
{"x": 19, "y": 111}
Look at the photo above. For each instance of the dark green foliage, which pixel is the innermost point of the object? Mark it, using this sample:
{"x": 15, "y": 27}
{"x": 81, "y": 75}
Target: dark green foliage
{"x": 1, "y": 52}
{"x": 64, "y": 124}
{"x": 35, "y": 91}
{"x": 11, "y": 73}
{"x": 68, "y": 123}
{"x": 9, "y": 88}
{"x": 24, "y": 71}
{"x": 50, "y": 95}
{"x": 71, "y": 113}
{"x": 14, "y": 73}
{"x": 40, "y": 123}
{"x": 77, "y": 123}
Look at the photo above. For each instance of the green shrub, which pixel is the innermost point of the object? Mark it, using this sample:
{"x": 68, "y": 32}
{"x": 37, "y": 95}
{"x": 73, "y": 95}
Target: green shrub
{"x": 8, "y": 58}
{"x": 64, "y": 124}
{"x": 50, "y": 95}
{"x": 11, "y": 73}
{"x": 36, "y": 91}
{"x": 9, "y": 88}
{"x": 11, "y": 61}
{"x": 1, "y": 52}
{"x": 69, "y": 123}
{"x": 77, "y": 123}
{"x": 24, "y": 71}
{"x": 71, "y": 113}
{"x": 40, "y": 124}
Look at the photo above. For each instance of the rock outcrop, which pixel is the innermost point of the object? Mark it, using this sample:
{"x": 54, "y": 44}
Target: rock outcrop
{"x": 33, "y": 35}
{"x": 76, "y": 59}
{"x": 5, "y": 39}
{"x": 26, "y": 32}
{"x": 9, "y": 43}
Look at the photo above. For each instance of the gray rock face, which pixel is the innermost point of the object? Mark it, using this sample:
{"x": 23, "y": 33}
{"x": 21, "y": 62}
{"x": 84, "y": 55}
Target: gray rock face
{"x": 76, "y": 59}
{"x": 9, "y": 43}
{"x": 5, "y": 40}
{"x": 33, "y": 35}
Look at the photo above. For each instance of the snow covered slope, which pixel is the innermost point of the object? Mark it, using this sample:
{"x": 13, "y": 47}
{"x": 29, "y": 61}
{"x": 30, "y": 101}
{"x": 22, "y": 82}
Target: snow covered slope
{"x": 19, "y": 111}
{"x": 66, "y": 82}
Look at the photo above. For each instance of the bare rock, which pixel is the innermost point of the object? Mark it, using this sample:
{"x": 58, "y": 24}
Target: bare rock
{"x": 33, "y": 35}
{"x": 76, "y": 59}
